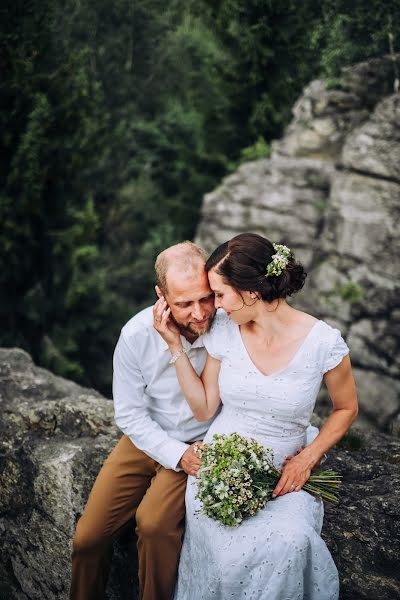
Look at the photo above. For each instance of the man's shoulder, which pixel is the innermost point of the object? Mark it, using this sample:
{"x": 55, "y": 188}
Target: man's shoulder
{"x": 140, "y": 324}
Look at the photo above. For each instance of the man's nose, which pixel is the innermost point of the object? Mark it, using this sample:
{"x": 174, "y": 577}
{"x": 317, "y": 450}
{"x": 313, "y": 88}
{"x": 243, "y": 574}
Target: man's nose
{"x": 198, "y": 312}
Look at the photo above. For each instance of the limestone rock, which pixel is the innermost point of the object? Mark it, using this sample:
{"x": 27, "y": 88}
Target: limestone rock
{"x": 375, "y": 146}
{"x": 54, "y": 436}
{"x": 331, "y": 191}
{"x": 327, "y": 111}
{"x": 284, "y": 197}
{"x": 363, "y": 530}
{"x": 322, "y": 118}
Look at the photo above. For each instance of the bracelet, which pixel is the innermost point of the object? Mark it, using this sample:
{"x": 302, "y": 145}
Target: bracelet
{"x": 177, "y": 355}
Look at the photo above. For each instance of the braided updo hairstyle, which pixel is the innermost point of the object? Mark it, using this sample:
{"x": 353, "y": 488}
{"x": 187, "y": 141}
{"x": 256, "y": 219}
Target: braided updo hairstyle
{"x": 242, "y": 263}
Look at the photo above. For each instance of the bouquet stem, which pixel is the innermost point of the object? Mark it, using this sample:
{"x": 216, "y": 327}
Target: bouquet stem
{"x": 325, "y": 484}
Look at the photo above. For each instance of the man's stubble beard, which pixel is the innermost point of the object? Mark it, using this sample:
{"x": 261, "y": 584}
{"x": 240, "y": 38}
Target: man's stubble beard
{"x": 188, "y": 330}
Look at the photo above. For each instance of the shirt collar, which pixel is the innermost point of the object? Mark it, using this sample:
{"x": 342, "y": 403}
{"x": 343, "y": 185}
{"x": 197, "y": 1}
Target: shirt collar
{"x": 198, "y": 343}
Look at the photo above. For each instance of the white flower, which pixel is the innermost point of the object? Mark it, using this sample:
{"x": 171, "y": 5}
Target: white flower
{"x": 222, "y": 490}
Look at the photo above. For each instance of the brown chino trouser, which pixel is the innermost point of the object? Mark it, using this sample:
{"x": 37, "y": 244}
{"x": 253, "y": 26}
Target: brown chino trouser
{"x": 130, "y": 484}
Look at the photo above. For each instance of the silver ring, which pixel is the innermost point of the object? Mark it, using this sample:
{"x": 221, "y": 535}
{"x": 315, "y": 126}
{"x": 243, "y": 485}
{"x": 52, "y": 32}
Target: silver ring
{"x": 292, "y": 486}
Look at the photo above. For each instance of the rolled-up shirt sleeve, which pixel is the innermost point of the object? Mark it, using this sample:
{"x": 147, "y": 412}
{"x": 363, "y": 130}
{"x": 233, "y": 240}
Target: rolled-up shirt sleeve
{"x": 132, "y": 414}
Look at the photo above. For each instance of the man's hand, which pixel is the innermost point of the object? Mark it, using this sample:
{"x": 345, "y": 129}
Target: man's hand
{"x": 190, "y": 462}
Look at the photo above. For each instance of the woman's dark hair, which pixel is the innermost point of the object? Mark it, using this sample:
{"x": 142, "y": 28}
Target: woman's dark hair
{"x": 242, "y": 263}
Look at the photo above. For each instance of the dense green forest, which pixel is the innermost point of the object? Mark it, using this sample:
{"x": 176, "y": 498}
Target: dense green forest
{"x": 116, "y": 117}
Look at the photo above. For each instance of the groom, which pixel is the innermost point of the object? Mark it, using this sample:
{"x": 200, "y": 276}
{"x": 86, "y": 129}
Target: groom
{"x": 145, "y": 475}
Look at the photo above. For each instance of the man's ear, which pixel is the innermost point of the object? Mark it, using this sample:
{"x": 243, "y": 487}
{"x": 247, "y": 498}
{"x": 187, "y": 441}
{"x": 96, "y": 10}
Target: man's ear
{"x": 158, "y": 291}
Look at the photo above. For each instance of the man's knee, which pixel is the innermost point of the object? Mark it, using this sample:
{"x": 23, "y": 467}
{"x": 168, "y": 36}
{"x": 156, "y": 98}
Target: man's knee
{"x": 149, "y": 524}
{"x": 88, "y": 537}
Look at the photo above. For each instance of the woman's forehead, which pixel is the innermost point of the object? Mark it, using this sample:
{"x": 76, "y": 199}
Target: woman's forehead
{"x": 216, "y": 280}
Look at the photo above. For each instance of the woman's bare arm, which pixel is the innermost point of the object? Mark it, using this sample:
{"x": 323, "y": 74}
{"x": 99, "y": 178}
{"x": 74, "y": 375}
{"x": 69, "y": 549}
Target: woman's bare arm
{"x": 342, "y": 390}
{"x": 201, "y": 393}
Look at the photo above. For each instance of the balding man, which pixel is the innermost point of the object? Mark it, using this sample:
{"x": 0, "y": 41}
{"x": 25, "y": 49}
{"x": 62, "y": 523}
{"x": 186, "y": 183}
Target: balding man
{"x": 145, "y": 475}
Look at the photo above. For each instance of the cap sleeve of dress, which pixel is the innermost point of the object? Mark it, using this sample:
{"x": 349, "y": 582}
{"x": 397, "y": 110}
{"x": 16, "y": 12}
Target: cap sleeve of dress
{"x": 336, "y": 350}
{"x": 216, "y": 340}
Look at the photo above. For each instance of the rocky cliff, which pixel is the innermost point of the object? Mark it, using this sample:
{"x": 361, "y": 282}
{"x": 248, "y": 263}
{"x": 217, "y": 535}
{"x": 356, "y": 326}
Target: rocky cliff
{"x": 54, "y": 436}
{"x": 331, "y": 191}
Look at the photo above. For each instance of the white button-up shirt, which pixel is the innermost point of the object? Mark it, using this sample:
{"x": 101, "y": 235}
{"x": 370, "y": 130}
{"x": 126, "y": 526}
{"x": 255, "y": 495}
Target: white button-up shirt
{"x": 149, "y": 406}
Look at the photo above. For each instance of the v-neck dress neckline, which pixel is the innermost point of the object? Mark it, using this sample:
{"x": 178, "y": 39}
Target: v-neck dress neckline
{"x": 291, "y": 361}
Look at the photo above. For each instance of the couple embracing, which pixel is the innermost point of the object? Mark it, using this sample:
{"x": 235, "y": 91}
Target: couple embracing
{"x": 184, "y": 370}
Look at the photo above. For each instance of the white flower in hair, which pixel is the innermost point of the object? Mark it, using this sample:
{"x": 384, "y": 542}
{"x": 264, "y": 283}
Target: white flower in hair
{"x": 279, "y": 260}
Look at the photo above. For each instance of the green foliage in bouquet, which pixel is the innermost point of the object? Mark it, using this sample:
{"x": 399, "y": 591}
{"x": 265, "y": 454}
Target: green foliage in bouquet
{"x": 237, "y": 478}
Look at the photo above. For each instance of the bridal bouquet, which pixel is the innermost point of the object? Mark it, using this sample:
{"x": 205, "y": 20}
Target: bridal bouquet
{"x": 237, "y": 477}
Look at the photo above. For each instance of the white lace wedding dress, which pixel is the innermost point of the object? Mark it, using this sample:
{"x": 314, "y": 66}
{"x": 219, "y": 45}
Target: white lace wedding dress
{"x": 278, "y": 554}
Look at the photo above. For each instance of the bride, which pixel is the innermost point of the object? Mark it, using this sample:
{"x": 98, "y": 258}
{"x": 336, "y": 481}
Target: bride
{"x": 266, "y": 362}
